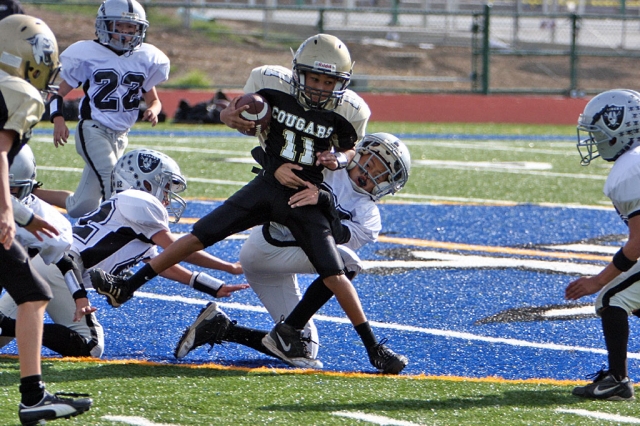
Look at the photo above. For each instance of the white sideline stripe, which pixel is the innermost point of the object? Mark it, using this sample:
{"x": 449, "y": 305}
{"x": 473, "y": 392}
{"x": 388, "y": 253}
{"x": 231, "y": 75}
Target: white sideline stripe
{"x": 601, "y": 416}
{"x": 570, "y": 312}
{"x": 501, "y": 165}
{"x": 392, "y": 326}
{"x": 202, "y": 180}
{"x": 370, "y": 418}
{"x": 136, "y": 421}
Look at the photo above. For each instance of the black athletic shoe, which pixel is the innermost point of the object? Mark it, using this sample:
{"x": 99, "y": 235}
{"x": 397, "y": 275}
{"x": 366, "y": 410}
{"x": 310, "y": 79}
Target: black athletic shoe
{"x": 385, "y": 360}
{"x": 605, "y": 386}
{"x": 210, "y": 327}
{"x": 114, "y": 287}
{"x": 53, "y": 407}
{"x": 290, "y": 345}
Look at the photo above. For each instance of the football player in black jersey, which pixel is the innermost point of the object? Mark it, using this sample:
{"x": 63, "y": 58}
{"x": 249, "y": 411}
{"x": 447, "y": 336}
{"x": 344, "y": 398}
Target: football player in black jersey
{"x": 33, "y": 51}
{"x": 315, "y": 123}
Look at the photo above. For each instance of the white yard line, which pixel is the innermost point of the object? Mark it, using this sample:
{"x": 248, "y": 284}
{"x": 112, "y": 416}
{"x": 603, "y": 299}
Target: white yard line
{"x": 371, "y": 418}
{"x": 600, "y": 416}
{"x": 135, "y": 421}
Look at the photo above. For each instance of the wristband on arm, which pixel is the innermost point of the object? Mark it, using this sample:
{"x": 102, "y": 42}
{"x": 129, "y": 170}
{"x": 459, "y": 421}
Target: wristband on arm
{"x": 22, "y": 214}
{"x": 342, "y": 159}
{"x": 205, "y": 283}
{"x": 622, "y": 262}
{"x": 56, "y": 107}
{"x": 72, "y": 276}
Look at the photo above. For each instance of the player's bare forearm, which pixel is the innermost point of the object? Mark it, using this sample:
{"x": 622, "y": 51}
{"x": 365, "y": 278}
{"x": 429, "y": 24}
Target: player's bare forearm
{"x": 7, "y": 224}
{"x": 204, "y": 259}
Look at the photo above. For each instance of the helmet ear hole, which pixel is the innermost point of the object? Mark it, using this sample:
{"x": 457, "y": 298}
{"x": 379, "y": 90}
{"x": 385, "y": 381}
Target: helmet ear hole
{"x": 147, "y": 186}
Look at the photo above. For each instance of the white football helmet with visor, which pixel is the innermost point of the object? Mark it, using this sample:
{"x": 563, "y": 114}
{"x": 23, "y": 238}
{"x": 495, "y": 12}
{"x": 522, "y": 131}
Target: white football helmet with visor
{"x": 392, "y": 153}
{"x": 127, "y": 11}
{"x": 609, "y": 125}
{"x": 321, "y": 54}
{"x": 153, "y": 172}
{"x": 22, "y": 173}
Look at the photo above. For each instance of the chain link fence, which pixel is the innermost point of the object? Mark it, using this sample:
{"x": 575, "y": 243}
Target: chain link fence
{"x": 535, "y": 46}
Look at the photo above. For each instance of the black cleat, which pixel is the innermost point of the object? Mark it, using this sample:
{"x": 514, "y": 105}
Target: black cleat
{"x": 210, "y": 327}
{"x": 606, "y": 387}
{"x": 385, "y": 360}
{"x": 289, "y": 345}
{"x": 53, "y": 407}
{"x": 114, "y": 287}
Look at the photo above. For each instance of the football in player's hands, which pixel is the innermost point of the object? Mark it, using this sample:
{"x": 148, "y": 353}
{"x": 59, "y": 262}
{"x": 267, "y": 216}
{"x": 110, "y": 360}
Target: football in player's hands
{"x": 259, "y": 112}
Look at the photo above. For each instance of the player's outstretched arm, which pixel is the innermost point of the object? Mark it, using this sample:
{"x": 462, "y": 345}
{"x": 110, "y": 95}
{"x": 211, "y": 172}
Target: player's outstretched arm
{"x": 202, "y": 282}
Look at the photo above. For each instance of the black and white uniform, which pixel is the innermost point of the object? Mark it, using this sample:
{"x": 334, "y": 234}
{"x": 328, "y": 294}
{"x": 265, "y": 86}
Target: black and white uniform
{"x": 270, "y": 262}
{"x": 62, "y": 307}
{"x": 21, "y": 107}
{"x": 113, "y": 86}
{"x": 622, "y": 188}
{"x": 118, "y": 235}
{"x": 294, "y": 135}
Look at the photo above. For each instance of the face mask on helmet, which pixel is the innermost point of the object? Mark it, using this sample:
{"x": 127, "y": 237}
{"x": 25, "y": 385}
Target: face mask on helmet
{"x": 609, "y": 125}
{"x": 22, "y": 173}
{"x": 394, "y": 157}
{"x": 153, "y": 172}
{"x": 29, "y": 50}
{"x": 325, "y": 55}
{"x": 113, "y": 16}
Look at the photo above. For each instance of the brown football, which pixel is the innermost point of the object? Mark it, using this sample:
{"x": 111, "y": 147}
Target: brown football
{"x": 259, "y": 112}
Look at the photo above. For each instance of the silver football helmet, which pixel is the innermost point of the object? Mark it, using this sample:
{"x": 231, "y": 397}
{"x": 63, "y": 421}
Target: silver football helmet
{"x": 321, "y": 54}
{"x": 153, "y": 172}
{"x": 29, "y": 50}
{"x": 112, "y": 11}
{"x": 22, "y": 173}
{"x": 393, "y": 154}
{"x": 611, "y": 121}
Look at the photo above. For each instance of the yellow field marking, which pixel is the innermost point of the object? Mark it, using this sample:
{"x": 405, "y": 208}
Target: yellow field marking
{"x": 292, "y": 371}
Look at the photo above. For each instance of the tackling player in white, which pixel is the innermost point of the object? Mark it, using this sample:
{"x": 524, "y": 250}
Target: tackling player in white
{"x": 116, "y": 72}
{"x": 271, "y": 260}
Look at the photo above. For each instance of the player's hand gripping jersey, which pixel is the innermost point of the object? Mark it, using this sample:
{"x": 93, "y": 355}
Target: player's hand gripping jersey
{"x": 118, "y": 234}
{"x": 295, "y": 133}
{"x": 112, "y": 84}
{"x": 357, "y": 211}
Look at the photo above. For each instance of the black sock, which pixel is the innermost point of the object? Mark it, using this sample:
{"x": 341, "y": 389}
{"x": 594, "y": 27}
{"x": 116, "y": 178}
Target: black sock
{"x": 366, "y": 334}
{"x": 31, "y": 389}
{"x": 141, "y": 277}
{"x": 312, "y": 300}
{"x": 249, "y": 337}
{"x": 615, "y": 326}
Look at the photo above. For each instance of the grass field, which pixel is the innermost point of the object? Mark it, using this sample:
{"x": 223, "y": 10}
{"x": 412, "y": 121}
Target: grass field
{"x": 468, "y": 164}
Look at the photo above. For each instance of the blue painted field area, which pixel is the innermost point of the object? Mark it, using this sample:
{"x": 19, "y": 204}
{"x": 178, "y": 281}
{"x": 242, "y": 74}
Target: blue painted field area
{"x": 463, "y": 265}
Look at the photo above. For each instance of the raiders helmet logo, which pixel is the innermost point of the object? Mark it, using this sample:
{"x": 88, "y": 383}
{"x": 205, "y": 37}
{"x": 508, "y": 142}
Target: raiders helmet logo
{"x": 147, "y": 163}
{"x": 612, "y": 116}
{"x": 43, "y": 47}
